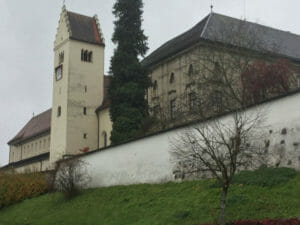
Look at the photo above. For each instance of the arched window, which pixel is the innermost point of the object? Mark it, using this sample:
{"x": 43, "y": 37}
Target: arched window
{"x": 172, "y": 78}
{"x": 59, "y": 111}
{"x": 155, "y": 85}
{"x": 191, "y": 70}
{"x": 104, "y": 134}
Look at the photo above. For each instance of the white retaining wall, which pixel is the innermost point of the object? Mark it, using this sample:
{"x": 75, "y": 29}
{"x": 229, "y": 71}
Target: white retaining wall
{"x": 148, "y": 160}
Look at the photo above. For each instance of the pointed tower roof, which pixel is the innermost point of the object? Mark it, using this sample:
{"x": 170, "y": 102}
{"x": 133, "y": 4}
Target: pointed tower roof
{"x": 82, "y": 28}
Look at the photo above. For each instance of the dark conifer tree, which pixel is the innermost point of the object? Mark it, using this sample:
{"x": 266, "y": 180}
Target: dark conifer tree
{"x": 129, "y": 80}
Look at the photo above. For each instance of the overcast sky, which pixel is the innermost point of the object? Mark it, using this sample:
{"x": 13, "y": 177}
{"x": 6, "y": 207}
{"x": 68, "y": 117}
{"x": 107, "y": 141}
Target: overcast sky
{"x": 28, "y": 30}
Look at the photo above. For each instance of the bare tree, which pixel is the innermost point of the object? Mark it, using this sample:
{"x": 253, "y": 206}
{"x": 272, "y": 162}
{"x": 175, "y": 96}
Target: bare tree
{"x": 219, "y": 148}
{"x": 71, "y": 177}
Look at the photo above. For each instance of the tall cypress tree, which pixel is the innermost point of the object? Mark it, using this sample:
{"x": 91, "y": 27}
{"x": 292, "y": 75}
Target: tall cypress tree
{"x": 129, "y": 80}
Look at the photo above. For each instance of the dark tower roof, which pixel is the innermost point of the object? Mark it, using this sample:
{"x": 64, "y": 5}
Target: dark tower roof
{"x": 85, "y": 28}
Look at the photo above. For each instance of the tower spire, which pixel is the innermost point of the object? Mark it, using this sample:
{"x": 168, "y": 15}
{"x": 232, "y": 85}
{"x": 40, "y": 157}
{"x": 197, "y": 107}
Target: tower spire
{"x": 211, "y": 7}
{"x": 64, "y": 4}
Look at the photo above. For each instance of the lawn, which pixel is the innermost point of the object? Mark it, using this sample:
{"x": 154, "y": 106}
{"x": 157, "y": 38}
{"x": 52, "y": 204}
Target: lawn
{"x": 187, "y": 203}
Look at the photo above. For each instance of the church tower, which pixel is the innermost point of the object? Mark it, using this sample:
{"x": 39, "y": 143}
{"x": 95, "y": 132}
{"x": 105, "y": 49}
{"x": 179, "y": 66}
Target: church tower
{"x": 77, "y": 85}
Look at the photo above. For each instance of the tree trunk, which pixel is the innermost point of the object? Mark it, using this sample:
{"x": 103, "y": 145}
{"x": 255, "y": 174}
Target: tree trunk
{"x": 223, "y": 206}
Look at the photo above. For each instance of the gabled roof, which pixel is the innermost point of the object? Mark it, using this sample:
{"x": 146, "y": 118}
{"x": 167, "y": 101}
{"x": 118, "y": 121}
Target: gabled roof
{"x": 37, "y": 125}
{"x": 85, "y": 28}
{"x": 226, "y": 30}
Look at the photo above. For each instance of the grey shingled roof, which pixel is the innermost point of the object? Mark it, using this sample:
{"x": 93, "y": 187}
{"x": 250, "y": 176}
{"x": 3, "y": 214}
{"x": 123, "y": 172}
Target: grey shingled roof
{"x": 84, "y": 28}
{"x": 227, "y": 30}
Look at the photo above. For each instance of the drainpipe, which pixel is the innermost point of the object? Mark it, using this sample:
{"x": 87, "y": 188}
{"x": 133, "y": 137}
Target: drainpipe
{"x": 21, "y": 151}
{"x": 98, "y": 144}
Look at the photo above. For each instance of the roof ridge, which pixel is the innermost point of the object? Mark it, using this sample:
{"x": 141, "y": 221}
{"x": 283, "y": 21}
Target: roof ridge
{"x": 177, "y": 36}
{"x": 254, "y": 23}
{"x": 206, "y": 24}
{"x": 46, "y": 111}
{"x": 79, "y": 14}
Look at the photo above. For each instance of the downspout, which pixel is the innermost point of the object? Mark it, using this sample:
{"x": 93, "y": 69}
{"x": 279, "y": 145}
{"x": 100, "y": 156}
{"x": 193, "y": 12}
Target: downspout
{"x": 98, "y": 146}
{"x": 21, "y": 151}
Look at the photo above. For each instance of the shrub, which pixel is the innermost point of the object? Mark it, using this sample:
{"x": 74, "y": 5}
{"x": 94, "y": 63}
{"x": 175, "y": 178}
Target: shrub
{"x": 71, "y": 177}
{"x": 265, "y": 222}
{"x": 17, "y": 187}
{"x": 269, "y": 222}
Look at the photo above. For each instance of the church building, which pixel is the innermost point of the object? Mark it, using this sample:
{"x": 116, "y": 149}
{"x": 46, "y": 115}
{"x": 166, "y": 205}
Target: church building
{"x": 79, "y": 119}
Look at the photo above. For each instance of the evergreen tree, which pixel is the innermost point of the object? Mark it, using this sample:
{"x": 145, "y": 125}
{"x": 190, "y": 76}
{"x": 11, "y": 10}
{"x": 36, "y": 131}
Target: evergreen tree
{"x": 129, "y": 80}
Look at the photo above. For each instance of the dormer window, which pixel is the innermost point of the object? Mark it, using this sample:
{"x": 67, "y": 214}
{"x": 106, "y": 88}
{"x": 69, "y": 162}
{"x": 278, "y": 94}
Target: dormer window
{"x": 86, "y": 56}
{"x": 172, "y": 78}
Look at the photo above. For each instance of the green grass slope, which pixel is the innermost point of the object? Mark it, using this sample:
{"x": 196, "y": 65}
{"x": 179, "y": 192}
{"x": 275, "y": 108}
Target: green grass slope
{"x": 187, "y": 203}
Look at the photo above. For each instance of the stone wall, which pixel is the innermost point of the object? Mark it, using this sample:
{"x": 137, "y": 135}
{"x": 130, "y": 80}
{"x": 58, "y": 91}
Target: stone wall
{"x": 148, "y": 160}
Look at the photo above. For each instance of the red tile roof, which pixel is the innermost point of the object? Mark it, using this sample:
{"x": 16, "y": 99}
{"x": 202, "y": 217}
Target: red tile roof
{"x": 36, "y": 126}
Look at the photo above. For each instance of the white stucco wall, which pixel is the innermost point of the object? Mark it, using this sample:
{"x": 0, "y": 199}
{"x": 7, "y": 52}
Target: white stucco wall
{"x": 148, "y": 160}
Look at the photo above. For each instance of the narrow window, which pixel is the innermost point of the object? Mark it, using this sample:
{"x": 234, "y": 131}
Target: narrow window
{"x": 82, "y": 54}
{"x": 90, "y": 56}
{"x": 85, "y": 89}
{"x": 85, "y": 56}
{"x": 155, "y": 85}
{"x": 192, "y": 101}
{"x": 217, "y": 101}
{"x": 172, "y": 78}
{"x": 85, "y": 136}
{"x": 191, "y": 70}
{"x": 104, "y": 139}
{"x": 59, "y": 111}
{"x": 172, "y": 108}
{"x": 84, "y": 110}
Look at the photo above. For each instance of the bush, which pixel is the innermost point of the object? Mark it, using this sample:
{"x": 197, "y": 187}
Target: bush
{"x": 268, "y": 222}
{"x": 264, "y": 177}
{"x": 71, "y": 177}
{"x": 265, "y": 222}
{"x": 17, "y": 187}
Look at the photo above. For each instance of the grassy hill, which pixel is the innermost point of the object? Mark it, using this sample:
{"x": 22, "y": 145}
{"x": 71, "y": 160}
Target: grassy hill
{"x": 188, "y": 203}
